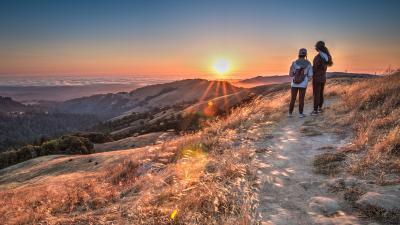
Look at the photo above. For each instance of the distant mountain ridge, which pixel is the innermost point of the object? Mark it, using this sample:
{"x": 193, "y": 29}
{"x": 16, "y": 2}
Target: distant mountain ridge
{"x": 8, "y": 105}
{"x": 350, "y": 75}
{"x": 277, "y": 79}
{"x": 267, "y": 79}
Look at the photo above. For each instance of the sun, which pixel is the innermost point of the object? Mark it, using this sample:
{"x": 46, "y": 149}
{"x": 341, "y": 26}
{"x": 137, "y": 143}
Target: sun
{"x": 221, "y": 66}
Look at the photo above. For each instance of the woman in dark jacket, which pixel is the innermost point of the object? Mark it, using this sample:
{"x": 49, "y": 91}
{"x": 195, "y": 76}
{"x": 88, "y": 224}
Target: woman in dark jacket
{"x": 320, "y": 65}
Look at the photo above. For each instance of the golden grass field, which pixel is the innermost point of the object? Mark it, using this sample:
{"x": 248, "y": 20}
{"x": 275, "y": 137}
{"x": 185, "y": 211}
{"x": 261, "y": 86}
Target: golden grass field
{"x": 200, "y": 178}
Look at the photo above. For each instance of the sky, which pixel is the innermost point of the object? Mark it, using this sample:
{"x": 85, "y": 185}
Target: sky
{"x": 186, "y": 38}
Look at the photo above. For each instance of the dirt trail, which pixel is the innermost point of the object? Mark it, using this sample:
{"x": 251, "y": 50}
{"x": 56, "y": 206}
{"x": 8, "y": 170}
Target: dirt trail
{"x": 291, "y": 192}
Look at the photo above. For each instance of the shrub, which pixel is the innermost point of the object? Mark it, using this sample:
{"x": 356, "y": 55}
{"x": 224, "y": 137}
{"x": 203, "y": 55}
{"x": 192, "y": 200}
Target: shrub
{"x": 26, "y": 152}
{"x": 75, "y": 145}
{"x": 64, "y": 145}
{"x": 49, "y": 147}
{"x": 95, "y": 137}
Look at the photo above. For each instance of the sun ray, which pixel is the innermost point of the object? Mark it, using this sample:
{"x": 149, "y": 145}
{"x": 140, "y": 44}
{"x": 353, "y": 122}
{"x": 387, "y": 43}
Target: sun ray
{"x": 216, "y": 94}
{"x": 225, "y": 96}
{"x": 235, "y": 93}
{"x": 206, "y": 91}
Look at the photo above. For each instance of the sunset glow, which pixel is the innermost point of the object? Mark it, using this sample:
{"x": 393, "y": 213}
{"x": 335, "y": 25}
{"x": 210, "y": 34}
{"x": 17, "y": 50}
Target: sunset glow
{"x": 178, "y": 38}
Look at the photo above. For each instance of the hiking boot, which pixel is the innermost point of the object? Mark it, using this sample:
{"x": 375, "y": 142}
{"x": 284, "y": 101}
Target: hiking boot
{"x": 314, "y": 113}
{"x": 302, "y": 115}
{"x": 289, "y": 115}
{"x": 319, "y": 110}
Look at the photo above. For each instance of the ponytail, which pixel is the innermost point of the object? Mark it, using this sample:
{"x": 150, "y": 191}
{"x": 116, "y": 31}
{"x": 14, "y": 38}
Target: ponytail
{"x": 326, "y": 51}
{"x": 320, "y": 46}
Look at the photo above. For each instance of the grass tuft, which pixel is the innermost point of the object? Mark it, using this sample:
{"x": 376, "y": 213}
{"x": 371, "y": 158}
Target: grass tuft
{"x": 328, "y": 163}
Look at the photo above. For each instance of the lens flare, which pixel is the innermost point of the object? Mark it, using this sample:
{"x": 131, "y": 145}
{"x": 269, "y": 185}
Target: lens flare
{"x": 173, "y": 214}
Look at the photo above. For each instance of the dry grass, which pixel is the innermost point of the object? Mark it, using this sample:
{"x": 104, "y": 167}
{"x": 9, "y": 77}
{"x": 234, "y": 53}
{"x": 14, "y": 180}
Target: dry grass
{"x": 56, "y": 200}
{"x": 328, "y": 163}
{"x": 201, "y": 178}
{"x": 310, "y": 131}
{"x": 383, "y": 216}
{"x": 352, "y": 194}
{"x": 372, "y": 108}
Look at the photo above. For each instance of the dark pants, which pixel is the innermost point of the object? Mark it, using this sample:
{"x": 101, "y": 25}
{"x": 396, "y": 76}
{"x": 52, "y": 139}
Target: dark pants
{"x": 302, "y": 93}
{"x": 318, "y": 92}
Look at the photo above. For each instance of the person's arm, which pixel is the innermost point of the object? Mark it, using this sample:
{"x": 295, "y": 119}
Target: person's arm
{"x": 315, "y": 64}
{"x": 291, "y": 71}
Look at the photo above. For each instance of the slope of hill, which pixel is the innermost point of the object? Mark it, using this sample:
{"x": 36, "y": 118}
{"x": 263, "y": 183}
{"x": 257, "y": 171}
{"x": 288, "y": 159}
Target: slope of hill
{"x": 135, "y": 141}
{"x": 61, "y": 93}
{"x": 350, "y": 75}
{"x": 183, "y": 117}
{"x": 200, "y": 178}
{"x": 22, "y": 124}
{"x": 147, "y": 98}
{"x": 263, "y": 80}
{"x": 223, "y": 104}
{"x": 17, "y": 130}
{"x": 8, "y": 105}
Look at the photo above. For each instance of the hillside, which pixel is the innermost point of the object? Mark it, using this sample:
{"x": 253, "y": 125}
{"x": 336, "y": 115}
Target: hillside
{"x": 150, "y": 113}
{"x": 48, "y": 91}
{"x": 203, "y": 176}
{"x": 263, "y": 80}
{"x": 23, "y": 124}
{"x": 17, "y": 130}
{"x": 147, "y": 98}
{"x": 187, "y": 117}
{"x": 135, "y": 141}
{"x": 8, "y": 105}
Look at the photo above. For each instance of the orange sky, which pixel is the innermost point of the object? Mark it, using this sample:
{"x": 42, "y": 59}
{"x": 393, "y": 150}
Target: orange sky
{"x": 245, "y": 61}
{"x": 184, "y": 39}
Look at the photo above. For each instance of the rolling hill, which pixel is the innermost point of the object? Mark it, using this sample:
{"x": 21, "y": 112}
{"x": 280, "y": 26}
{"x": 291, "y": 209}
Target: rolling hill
{"x": 263, "y": 80}
{"x": 147, "y": 98}
{"x": 8, "y": 105}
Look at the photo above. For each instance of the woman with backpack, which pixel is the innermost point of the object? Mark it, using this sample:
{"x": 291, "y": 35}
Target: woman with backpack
{"x": 301, "y": 72}
{"x": 320, "y": 65}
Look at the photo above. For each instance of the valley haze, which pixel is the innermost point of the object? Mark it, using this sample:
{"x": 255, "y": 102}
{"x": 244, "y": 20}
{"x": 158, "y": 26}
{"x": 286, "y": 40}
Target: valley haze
{"x": 60, "y": 88}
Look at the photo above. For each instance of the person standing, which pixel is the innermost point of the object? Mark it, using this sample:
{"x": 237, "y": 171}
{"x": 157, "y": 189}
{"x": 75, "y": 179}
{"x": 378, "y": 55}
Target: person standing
{"x": 320, "y": 64}
{"x": 300, "y": 72}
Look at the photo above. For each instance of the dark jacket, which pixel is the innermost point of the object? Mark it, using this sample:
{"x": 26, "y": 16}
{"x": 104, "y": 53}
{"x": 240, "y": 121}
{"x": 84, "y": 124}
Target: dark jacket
{"x": 319, "y": 69}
